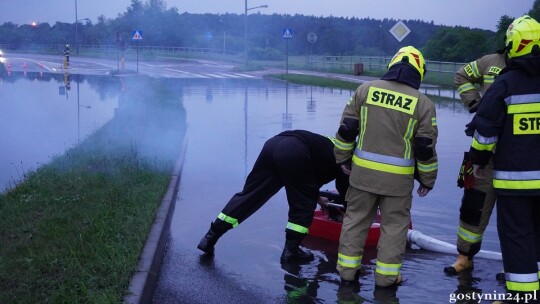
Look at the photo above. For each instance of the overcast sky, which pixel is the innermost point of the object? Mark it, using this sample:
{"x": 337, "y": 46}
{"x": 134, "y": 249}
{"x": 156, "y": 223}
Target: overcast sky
{"x": 482, "y": 14}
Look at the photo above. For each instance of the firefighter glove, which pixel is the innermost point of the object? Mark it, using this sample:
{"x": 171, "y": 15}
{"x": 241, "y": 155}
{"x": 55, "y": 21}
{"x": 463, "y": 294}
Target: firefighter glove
{"x": 466, "y": 176}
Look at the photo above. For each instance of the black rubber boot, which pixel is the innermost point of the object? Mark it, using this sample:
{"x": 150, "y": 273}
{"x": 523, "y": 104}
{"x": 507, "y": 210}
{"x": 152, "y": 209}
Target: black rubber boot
{"x": 207, "y": 243}
{"x": 292, "y": 253}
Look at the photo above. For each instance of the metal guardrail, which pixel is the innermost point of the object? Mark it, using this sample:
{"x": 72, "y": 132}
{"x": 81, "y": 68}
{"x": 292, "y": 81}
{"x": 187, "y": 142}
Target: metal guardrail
{"x": 374, "y": 63}
{"x": 110, "y": 49}
{"x": 323, "y": 63}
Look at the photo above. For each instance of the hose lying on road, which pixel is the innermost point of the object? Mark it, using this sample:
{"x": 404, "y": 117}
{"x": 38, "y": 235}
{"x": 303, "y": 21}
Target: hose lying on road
{"x": 428, "y": 243}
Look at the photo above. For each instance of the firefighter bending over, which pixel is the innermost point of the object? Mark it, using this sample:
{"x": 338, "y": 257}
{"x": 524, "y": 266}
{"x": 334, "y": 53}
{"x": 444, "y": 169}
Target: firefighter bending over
{"x": 300, "y": 161}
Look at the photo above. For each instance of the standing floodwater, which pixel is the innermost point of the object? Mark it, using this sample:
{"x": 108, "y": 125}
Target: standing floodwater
{"x": 41, "y": 116}
{"x": 229, "y": 120}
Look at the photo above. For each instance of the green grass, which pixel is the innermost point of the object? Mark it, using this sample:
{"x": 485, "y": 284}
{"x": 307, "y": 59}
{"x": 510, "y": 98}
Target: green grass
{"x": 317, "y": 81}
{"x": 348, "y": 85}
{"x": 73, "y": 230}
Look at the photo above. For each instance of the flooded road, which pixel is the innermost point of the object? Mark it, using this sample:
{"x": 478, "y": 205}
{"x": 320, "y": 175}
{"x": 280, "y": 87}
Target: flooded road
{"x": 229, "y": 120}
{"x": 40, "y": 119}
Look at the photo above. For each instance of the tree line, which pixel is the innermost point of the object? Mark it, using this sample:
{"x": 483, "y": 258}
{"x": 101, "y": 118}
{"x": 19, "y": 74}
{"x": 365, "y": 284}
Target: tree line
{"x": 335, "y": 36}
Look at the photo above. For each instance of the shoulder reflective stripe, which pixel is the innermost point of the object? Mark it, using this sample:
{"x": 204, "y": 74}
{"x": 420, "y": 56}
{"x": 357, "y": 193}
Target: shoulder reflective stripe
{"x": 407, "y": 138}
{"x": 427, "y": 167}
{"x": 387, "y": 269}
{"x": 468, "y": 236}
{"x": 363, "y": 124}
{"x": 465, "y": 87}
{"x": 228, "y": 219}
{"x": 349, "y": 261}
{"x": 482, "y": 147}
{"x": 522, "y": 99}
{"x": 349, "y": 102}
{"x": 526, "y": 123}
{"x": 488, "y": 79}
{"x": 341, "y": 145}
{"x": 297, "y": 228}
{"x": 385, "y": 159}
{"x": 474, "y": 66}
{"x": 434, "y": 121}
{"x": 391, "y": 100}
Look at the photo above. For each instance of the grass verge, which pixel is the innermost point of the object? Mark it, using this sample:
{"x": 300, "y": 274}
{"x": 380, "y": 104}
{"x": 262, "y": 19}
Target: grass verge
{"x": 317, "y": 81}
{"x": 339, "y": 84}
{"x": 73, "y": 230}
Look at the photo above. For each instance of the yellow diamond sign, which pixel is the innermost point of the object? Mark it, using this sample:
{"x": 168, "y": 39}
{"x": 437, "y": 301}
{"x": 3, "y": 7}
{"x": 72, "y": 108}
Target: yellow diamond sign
{"x": 400, "y": 30}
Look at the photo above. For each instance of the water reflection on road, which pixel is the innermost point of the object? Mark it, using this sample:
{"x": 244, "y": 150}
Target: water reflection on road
{"x": 42, "y": 115}
{"x": 229, "y": 120}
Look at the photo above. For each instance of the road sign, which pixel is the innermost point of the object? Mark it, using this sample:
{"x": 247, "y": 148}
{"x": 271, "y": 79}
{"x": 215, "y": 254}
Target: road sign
{"x": 400, "y": 31}
{"x": 287, "y": 33}
{"x": 311, "y": 37}
{"x": 137, "y": 35}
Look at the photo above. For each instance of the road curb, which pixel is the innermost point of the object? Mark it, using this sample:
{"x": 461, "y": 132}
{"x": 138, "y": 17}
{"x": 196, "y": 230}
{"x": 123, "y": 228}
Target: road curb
{"x": 143, "y": 281}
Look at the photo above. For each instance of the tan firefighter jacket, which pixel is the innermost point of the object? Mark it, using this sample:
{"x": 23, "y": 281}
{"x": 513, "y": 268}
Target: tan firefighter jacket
{"x": 473, "y": 79}
{"x": 394, "y": 120}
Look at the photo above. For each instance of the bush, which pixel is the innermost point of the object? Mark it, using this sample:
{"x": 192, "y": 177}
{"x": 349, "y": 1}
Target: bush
{"x": 265, "y": 54}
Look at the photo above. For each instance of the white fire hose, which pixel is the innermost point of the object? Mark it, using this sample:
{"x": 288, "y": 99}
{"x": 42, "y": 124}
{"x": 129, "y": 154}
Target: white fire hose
{"x": 428, "y": 243}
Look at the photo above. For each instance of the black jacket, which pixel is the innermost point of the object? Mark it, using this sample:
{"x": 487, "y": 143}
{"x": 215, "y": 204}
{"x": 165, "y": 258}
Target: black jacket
{"x": 510, "y": 115}
{"x": 323, "y": 158}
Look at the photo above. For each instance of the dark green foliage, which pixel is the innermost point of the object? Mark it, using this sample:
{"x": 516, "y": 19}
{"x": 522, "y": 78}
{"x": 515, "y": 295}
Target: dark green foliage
{"x": 459, "y": 44}
{"x": 535, "y": 10}
{"x": 337, "y": 36}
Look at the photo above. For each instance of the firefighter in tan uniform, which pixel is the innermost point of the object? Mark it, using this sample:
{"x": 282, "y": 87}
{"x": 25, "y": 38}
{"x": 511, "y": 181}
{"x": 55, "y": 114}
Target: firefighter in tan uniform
{"x": 472, "y": 81}
{"x": 395, "y": 128}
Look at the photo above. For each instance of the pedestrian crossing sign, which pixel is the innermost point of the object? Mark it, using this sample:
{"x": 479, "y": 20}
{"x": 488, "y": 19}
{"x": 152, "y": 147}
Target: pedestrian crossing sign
{"x": 137, "y": 35}
{"x": 287, "y": 33}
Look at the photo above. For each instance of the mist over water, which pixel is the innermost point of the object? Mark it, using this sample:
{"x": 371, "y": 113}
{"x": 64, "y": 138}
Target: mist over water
{"x": 227, "y": 121}
{"x": 38, "y": 123}
{"x": 43, "y": 116}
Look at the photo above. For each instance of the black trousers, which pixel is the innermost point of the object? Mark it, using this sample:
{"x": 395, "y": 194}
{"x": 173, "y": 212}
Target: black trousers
{"x": 518, "y": 224}
{"x": 284, "y": 161}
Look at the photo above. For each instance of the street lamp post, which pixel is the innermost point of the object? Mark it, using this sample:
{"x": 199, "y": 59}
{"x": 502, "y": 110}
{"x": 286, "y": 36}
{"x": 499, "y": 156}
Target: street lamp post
{"x": 246, "y": 9}
{"x": 77, "y": 27}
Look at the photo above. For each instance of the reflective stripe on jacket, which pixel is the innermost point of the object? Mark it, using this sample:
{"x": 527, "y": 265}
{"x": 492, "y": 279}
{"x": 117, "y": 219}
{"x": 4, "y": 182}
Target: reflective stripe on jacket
{"x": 390, "y": 116}
{"x": 510, "y": 121}
{"x": 473, "y": 79}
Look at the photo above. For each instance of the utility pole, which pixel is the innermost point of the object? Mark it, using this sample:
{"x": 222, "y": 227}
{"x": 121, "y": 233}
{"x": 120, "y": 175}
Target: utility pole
{"x": 246, "y": 9}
